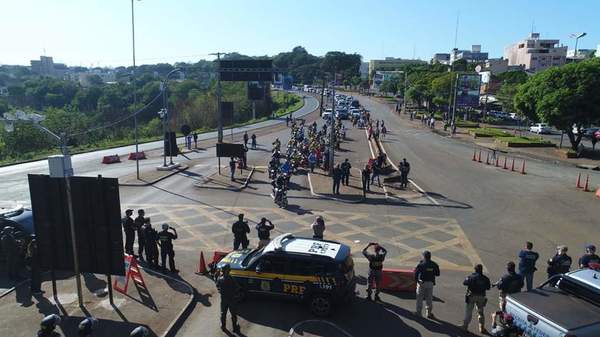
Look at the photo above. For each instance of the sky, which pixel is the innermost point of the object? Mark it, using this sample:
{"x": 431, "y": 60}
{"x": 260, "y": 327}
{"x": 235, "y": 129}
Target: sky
{"x": 98, "y": 32}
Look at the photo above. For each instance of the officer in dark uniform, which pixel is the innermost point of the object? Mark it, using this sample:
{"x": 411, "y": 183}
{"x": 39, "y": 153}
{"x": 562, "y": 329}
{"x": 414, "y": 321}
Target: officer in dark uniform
{"x": 346, "y": 166}
{"x": 337, "y": 178}
{"x": 151, "y": 237}
{"x": 589, "y": 257}
{"x": 139, "y": 223}
{"x": 129, "y": 228}
{"x": 510, "y": 283}
{"x": 34, "y": 264}
{"x": 425, "y": 274}
{"x": 47, "y": 326}
{"x": 527, "y": 259}
{"x": 375, "y": 267}
{"x": 559, "y": 263}
{"x": 240, "y": 229}
{"x": 11, "y": 251}
{"x": 229, "y": 290}
{"x": 264, "y": 228}
{"x": 404, "y": 171}
{"x": 232, "y": 168}
{"x": 477, "y": 284}
{"x": 165, "y": 239}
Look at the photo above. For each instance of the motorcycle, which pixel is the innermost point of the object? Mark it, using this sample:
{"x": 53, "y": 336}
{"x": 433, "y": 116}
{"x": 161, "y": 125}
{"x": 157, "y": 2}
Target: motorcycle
{"x": 280, "y": 197}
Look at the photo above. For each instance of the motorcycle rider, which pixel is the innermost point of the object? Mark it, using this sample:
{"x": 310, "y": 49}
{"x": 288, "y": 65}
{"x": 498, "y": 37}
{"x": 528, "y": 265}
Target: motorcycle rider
{"x": 276, "y": 144}
{"x": 279, "y": 188}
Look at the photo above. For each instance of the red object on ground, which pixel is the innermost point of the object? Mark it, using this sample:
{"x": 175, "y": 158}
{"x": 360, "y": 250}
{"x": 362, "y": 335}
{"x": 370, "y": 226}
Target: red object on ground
{"x": 578, "y": 185}
{"x": 598, "y": 191}
{"x": 512, "y": 166}
{"x": 217, "y": 256}
{"x": 505, "y": 167}
{"x": 479, "y": 158}
{"x": 587, "y": 180}
{"x": 487, "y": 159}
{"x": 398, "y": 280}
{"x": 132, "y": 271}
{"x": 111, "y": 159}
{"x": 523, "y": 167}
{"x": 137, "y": 155}
{"x": 474, "y": 155}
{"x": 202, "y": 264}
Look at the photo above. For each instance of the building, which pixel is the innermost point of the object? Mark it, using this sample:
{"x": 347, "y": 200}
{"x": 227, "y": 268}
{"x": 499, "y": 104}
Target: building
{"x": 443, "y": 58}
{"x": 498, "y": 66}
{"x": 390, "y": 64}
{"x": 473, "y": 55}
{"x": 535, "y": 54}
{"x": 364, "y": 70}
{"x": 380, "y": 76}
{"x": 45, "y": 66}
{"x": 582, "y": 54}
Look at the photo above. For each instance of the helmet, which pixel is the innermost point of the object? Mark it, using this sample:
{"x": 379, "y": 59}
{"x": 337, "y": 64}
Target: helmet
{"x": 140, "y": 331}
{"x": 590, "y": 248}
{"x": 427, "y": 254}
{"x": 87, "y": 326}
{"x": 49, "y": 322}
{"x": 165, "y": 226}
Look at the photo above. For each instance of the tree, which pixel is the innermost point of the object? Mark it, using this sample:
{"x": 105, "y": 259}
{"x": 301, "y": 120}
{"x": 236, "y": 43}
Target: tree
{"x": 459, "y": 65}
{"x": 564, "y": 97}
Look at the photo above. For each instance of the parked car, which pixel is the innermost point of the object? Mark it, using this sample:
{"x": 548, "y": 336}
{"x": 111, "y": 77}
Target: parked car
{"x": 342, "y": 113}
{"x": 355, "y": 113}
{"x": 540, "y": 128}
{"x": 21, "y": 218}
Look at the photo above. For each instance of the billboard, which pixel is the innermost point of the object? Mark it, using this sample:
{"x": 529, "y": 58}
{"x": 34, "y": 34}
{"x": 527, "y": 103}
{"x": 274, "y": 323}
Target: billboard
{"x": 246, "y": 70}
{"x": 467, "y": 90}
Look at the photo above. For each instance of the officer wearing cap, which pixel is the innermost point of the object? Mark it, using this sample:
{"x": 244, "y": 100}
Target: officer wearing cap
{"x": 140, "y": 331}
{"x": 11, "y": 251}
{"x": 47, "y": 326}
{"x": 129, "y": 229}
{"x": 139, "y": 224}
{"x": 240, "y": 229}
{"x": 559, "y": 263}
{"x": 589, "y": 257}
{"x": 229, "y": 290}
{"x": 34, "y": 263}
{"x": 527, "y": 259}
{"x": 87, "y": 327}
{"x": 375, "y": 268}
{"x": 425, "y": 274}
{"x": 165, "y": 240}
{"x": 510, "y": 283}
{"x": 477, "y": 284}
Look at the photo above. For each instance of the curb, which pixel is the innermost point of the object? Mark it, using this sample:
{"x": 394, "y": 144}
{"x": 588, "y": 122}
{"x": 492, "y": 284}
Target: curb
{"x": 322, "y": 196}
{"x": 248, "y": 178}
{"x": 180, "y": 169}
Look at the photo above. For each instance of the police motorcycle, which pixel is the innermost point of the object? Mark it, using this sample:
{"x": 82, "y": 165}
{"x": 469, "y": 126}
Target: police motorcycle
{"x": 274, "y": 165}
{"x": 276, "y": 145}
{"x": 280, "y": 191}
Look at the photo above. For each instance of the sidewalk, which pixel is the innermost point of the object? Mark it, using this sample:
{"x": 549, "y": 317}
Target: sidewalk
{"x": 155, "y": 307}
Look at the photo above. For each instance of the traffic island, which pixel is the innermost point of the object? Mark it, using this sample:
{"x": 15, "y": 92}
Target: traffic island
{"x": 157, "y": 306}
{"x": 150, "y": 177}
{"x": 321, "y": 185}
{"x": 223, "y": 181}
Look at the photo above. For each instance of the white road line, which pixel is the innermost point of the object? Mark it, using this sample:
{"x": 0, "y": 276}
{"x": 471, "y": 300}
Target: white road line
{"x": 410, "y": 180}
{"x": 373, "y": 155}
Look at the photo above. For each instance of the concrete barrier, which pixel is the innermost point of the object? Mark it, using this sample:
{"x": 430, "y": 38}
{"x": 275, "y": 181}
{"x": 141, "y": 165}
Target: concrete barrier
{"x": 398, "y": 280}
{"x": 111, "y": 159}
{"x": 137, "y": 155}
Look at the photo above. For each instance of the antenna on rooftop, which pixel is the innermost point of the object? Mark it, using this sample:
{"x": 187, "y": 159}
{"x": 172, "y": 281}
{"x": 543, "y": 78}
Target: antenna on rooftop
{"x": 456, "y": 29}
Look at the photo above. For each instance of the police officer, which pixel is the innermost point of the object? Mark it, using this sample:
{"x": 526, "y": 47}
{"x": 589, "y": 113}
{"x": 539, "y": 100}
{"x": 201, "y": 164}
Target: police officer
{"x": 229, "y": 290}
{"x": 11, "y": 251}
{"x": 425, "y": 274}
{"x": 318, "y": 227}
{"x": 589, "y": 257}
{"x": 527, "y": 259}
{"x": 404, "y": 171}
{"x": 139, "y": 223}
{"x": 34, "y": 263}
{"x": 232, "y": 168}
{"x": 165, "y": 239}
{"x": 337, "y": 178}
{"x": 129, "y": 228}
{"x": 264, "y": 228}
{"x": 346, "y": 166}
{"x": 559, "y": 263}
{"x": 375, "y": 267}
{"x": 510, "y": 283}
{"x": 47, "y": 326}
{"x": 151, "y": 237}
{"x": 477, "y": 284}
{"x": 240, "y": 230}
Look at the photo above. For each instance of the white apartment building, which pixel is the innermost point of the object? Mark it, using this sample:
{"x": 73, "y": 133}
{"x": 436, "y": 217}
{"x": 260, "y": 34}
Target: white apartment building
{"x": 536, "y": 54}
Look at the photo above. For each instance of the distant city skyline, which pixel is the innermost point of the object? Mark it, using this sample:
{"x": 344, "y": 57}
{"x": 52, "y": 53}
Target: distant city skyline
{"x": 98, "y": 33}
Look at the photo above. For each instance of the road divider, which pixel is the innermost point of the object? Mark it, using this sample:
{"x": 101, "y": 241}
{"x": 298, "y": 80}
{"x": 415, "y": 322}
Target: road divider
{"x": 493, "y": 160}
{"x": 401, "y": 280}
{"x": 111, "y": 159}
{"x": 137, "y": 155}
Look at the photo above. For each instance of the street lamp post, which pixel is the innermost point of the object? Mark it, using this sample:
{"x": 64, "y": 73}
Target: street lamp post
{"x": 164, "y": 115}
{"x": 135, "y": 128}
{"x": 577, "y": 37}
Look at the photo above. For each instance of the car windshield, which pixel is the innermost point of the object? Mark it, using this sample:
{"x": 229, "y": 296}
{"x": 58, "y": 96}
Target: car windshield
{"x": 252, "y": 257}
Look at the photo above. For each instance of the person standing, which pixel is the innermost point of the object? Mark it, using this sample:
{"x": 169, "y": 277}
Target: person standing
{"x": 312, "y": 161}
{"x": 245, "y": 138}
{"x": 346, "y": 167}
{"x": 151, "y": 237}
{"x": 253, "y": 137}
{"x": 195, "y": 135}
{"x": 264, "y": 228}
{"x": 166, "y": 247}
{"x": 477, "y": 285}
{"x": 318, "y": 227}
{"x": 287, "y": 120}
{"x": 129, "y": 229}
{"x": 229, "y": 290}
{"x": 527, "y": 259}
{"x": 240, "y": 229}
{"x": 559, "y": 263}
{"x": 337, "y": 178}
{"x": 375, "y": 174}
{"x": 366, "y": 179}
{"x": 425, "y": 274}
{"x": 375, "y": 267}
{"x": 404, "y": 171}
{"x": 139, "y": 223}
{"x": 232, "y": 168}
{"x": 510, "y": 283}
{"x": 34, "y": 264}
{"x": 589, "y": 257}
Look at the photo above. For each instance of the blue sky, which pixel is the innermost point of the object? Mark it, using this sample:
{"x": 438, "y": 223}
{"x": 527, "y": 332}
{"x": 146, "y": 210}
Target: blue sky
{"x": 98, "y": 32}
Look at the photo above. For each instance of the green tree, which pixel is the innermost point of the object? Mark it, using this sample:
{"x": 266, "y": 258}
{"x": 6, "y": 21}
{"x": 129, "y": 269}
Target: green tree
{"x": 564, "y": 97}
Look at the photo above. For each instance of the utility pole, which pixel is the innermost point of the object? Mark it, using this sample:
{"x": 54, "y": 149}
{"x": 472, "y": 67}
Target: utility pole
{"x": 135, "y": 128}
{"x": 219, "y": 112}
{"x": 332, "y": 133}
{"x": 322, "y": 95}
{"x": 454, "y": 106}
{"x": 404, "y": 93}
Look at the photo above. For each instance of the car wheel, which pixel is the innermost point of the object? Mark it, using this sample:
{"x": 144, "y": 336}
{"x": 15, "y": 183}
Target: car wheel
{"x": 320, "y": 305}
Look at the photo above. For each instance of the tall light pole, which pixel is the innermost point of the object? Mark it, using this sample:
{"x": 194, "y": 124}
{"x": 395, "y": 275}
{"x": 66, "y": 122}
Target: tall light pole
{"x": 164, "y": 115}
{"x": 577, "y": 37}
{"x": 135, "y": 128}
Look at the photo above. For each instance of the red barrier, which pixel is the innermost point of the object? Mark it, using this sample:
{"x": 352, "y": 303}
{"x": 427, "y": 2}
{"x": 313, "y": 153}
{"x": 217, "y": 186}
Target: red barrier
{"x": 398, "y": 280}
{"x": 523, "y": 167}
{"x": 137, "y": 155}
{"x": 586, "y": 187}
{"x": 578, "y": 184}
{"x": 111, "y": 159}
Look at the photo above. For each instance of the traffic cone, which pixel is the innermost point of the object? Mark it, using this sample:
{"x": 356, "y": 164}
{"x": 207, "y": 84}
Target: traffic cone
{"x": 523, "y": 167}
{"x": 578, "y": 185}
{"x": 598, "y": 191}
{"x": 512, "y": 167}
{"x": 202, "y": 264}
{"x": 479, "y": 159}
{"x": 587, "y": 180}
{"x": 487, "y": 159}
{"x": 497, "y": 162}
{"x": 474, "y": 155}
{"x": 504, "y": 166}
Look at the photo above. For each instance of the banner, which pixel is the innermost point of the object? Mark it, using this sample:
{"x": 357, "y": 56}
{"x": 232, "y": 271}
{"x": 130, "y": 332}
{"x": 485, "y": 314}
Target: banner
{"x": 467, "y": 90}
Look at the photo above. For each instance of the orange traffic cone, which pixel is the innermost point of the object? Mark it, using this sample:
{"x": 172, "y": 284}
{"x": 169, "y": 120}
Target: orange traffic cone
{"x": 504, "y": 166}
{"x": 578, "y": 185}
{"x": 474, "y": 155}
{"x": 497, "y": 162}
{"x": 487, "y": 159}
{"x": 479, "y": 158}
{"x": 587, "y": 180}
{"x": 202, "y": 265}
{"x": 598, "y": 191}
{"x": 523, "y": 167}
{"x": 512, "y": 167}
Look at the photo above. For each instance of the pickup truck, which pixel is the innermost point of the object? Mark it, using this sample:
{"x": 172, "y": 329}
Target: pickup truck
{"x": 566, "y": 305}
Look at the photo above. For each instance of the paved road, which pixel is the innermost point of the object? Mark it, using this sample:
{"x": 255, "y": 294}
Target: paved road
{"x": 13, "y": 179}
